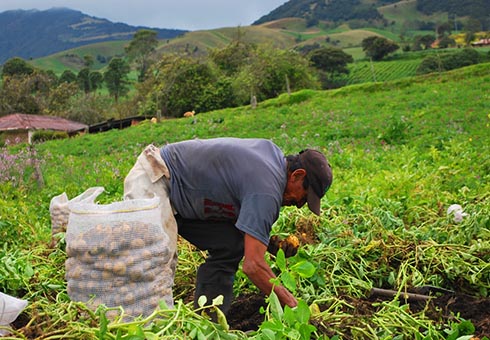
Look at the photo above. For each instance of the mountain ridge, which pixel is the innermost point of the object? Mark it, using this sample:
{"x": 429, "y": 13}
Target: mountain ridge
{"x": 36, "y": 33}
{"x": 368, "y": 10}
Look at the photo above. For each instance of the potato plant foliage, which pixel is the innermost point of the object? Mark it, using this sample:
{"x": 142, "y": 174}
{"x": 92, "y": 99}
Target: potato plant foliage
{"x": 402, "y": 152}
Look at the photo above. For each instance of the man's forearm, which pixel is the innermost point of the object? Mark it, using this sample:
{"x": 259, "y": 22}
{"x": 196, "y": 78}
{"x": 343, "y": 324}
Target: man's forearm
{"x": 259, "y": 272}
{"x": 260, "y": 275}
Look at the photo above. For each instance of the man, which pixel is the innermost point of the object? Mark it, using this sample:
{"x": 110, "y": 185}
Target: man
{"x": 223, "y": 195}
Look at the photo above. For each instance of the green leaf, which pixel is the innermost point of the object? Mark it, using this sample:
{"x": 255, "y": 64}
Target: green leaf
{"x": 306, "y": 330}
{"x": 289, "y": 316}
{"x": 218, "y": 301}
{"x": 275, "y": 305}
{"x": 136, "y": 331}
{"x": 103, "y": 322}
{"x": 202, "y": 301}
{"x": 281, "y": 260}
{"x": 294, "y": 334}
{"x": 268, "y": 334}
{"x": 274, "y": 325}
{"x": 288, "y": 281}
{"x": 222, "y": 318}
{"x": 304, "y": 268}
{"x": 466, "y": 327}
{"x": 302, "y": 312}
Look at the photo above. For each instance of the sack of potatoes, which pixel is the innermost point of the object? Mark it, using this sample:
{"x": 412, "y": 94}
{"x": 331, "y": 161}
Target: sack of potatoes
{"x": 59, "y": 209}
{"x": 117, "y": 255}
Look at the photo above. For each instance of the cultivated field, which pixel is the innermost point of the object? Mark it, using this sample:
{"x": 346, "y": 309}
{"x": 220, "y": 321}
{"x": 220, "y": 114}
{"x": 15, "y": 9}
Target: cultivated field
{"x": 402, "y": 153}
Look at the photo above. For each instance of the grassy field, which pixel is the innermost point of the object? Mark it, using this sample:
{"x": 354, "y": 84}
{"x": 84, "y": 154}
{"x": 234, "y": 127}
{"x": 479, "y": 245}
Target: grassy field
{"x": 73, "y": 59}
{"x": 402, "y": 152}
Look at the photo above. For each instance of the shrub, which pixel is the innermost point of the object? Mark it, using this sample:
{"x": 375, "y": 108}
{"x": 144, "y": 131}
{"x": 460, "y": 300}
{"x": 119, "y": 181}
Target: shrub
{"x": 452, "y": 61}
{"x": 45, "y": 135}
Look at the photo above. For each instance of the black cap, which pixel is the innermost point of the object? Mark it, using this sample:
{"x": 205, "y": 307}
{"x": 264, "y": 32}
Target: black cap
{"x": 319, "y": 175}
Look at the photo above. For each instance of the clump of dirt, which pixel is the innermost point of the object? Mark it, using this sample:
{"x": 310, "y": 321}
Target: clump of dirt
{"x": 305, "y": 230}
{"x": 469, "y": 308}
{"x": 244, "y": 314}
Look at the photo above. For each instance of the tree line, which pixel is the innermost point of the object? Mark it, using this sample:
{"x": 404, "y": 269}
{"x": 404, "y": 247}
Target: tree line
{"x": 170, "y": 84}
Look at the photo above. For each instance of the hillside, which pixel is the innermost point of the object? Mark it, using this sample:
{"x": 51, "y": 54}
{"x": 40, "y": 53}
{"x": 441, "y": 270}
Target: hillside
{"x": 402, "y": 153}
{"x": 368, "y": 11}
{"x": 34, "y": 34}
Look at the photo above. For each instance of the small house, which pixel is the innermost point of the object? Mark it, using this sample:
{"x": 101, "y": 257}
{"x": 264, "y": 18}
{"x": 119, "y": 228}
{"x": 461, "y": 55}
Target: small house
{"x": 19, "y": 127}
{"x": 481, "y": 43}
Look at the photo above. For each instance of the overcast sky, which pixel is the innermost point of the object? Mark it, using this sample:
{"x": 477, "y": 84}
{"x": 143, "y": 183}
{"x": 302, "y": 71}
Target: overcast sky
{"x": 179, "y": 14}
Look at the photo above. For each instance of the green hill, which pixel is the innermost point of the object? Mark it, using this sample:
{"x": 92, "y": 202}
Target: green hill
{"x": 72, "y": 59}
{"x": 402, "y": 152}
{"x": 32, "y": 33}
{"x": 284, "y": 33}
{"x": 381, "y": 12}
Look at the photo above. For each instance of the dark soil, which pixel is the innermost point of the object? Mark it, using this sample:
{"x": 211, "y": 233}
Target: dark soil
{"x": 244, "y": 314}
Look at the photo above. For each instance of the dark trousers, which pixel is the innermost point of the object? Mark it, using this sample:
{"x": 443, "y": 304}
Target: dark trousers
{"x": 225, "y": 246}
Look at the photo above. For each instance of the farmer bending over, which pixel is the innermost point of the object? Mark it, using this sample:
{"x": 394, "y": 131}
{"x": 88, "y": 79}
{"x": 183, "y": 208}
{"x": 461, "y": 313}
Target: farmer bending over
{"x": 223, "y": 196}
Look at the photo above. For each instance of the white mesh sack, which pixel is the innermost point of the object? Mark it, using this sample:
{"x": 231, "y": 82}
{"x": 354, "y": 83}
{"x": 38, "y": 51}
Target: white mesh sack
{"x": 117, "y": 255}
{"x": 59, "y": 210}
{"x": 10, "y": 308}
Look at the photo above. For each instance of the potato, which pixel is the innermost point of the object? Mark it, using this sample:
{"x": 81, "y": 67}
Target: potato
{"x": 137, "y": 243}
{"x": 108, "y": 266}
{"x": 129, "y": 298}
{"x": 107, "y": 275}
{"x": 87, "y": 258}
{"x": 136, "y": 274}
{"x": 75, "y": 272}
{"x": 146, "y": 255}
{"x": 119, "y": 268}
{"x": 95, "y": 275}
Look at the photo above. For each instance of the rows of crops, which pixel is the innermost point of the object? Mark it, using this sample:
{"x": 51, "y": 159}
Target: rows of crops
{"x": 365, "y": 71}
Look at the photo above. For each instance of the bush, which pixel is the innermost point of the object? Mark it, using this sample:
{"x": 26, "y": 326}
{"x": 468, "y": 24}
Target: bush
{"x": 436, "y": 63}
{"x": 45, "y": 135}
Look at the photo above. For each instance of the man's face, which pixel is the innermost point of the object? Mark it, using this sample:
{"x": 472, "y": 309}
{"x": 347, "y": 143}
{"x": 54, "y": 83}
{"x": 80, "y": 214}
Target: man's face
{"x": 295, "y": 194}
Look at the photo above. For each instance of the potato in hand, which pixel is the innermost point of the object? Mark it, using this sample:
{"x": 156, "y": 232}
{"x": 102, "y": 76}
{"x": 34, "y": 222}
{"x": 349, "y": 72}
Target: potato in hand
{"x": 289, "y": 245}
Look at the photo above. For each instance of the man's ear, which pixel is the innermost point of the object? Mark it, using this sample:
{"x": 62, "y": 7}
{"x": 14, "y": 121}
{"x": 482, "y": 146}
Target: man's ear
{"x": 299, "y": 174}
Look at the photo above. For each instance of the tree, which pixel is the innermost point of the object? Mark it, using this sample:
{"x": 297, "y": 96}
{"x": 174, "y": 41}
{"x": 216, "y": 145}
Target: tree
{"x": 88, "y": 60}
{"x": 68, "y": 77}
{"x": 271, "y": 72}
{"x": 16, "y": 67}
{"x": 331, "y": 62}
{"x": 96, "y": 79}
{"x": 116, "y": 78}
{"x": 441, "y": 29}
{"x": 178, "y": 84}
{"x": 423, "y": 41}
{"x": 377, "y": 47}
{"x": 471, "y": 26}
{"x": 233, "y": 57}
{"x": 446, "y": 41}
{"x": 36, "y": 93}
{"x": 140, "y": 50}
{"x": 83, "y": 79}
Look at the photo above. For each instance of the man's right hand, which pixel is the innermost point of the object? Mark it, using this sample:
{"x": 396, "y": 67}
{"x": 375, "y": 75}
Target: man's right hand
{"x": 289, "y": 245}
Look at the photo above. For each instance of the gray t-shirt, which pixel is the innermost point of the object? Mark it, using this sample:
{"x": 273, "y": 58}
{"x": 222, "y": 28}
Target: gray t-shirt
{"x": 240, "y": 180}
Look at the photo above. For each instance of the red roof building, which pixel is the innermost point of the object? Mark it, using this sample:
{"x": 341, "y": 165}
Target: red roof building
{"x": 481, "y": 42}
{"x": 21, "y": 127}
